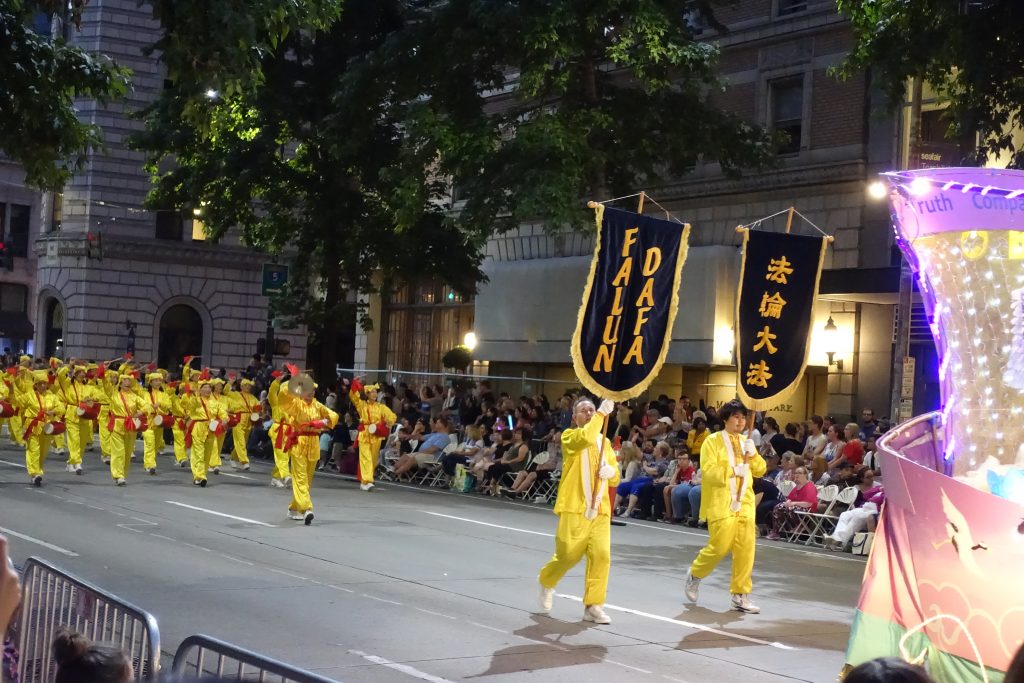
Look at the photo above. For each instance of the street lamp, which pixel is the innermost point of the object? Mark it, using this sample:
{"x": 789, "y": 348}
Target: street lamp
{"x": 878, "y": 190}
{"x": 830, "y": 341}
{"x": 469, "y": 341}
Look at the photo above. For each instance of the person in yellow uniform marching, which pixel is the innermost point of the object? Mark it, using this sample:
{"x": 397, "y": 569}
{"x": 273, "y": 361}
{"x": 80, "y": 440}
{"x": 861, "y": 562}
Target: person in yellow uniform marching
{"x": 10, "y": 408}
{"x": 78, "y": 395}
{"x": 102, "y": 397}
{"x": 245, "y": 408}
{"x": 206, "y": 417}
{"x": 42, "y": 410}
{"x": 178, "y": 429}
{"x": 127, "y": 412}
{"x": 584, "y": 510}
{"x": 160, "y": 408}
{"x": 15, "y": 425}
{"x": 728, "y": 463}
{"x": 307, "y": 417}
{"x": 279, "y": 433}
{"x": 375, "y": 421}
{"x": 218, "y": 397}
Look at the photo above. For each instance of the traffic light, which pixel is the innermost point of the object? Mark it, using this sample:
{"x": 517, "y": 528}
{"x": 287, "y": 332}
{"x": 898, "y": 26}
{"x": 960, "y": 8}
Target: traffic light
{"x": 6, "y": 257}
{"x": 94, "y": 245}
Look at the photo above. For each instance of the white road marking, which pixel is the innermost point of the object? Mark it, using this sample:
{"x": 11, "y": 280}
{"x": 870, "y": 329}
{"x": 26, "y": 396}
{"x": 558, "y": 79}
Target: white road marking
{"x": 235, "y": 559}
{"x": 688, "y": 624}
{"x": 624, "y": 666}
{"x": 339, "y": 588}
{"x": 236, "y": 476}
{"x": 93, "y": 507}
{"x": 436, "y": 614}
{"x": 489, "y": 628}
{"x": 404, "y": 668}
{"x": 221, "y": 514}
{"x": 496, "y": 526}
{"x": 197, "y": 547}
{"x": 30, "y": 539}
{"x": 675, "y": 680}
{"x": 128, "y": 527}
{"x": 374, "y": 597}
{"x": 294, "y": 576}
{"x": 13, "y": 464}
{"x": 166, "y": 538}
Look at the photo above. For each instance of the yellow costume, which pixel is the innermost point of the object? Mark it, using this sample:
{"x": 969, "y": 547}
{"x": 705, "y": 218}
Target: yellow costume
{"x": 307, "y": 418}
{"x": 38, "y": 409}
{"x": 729, "y": 530}
{"x": 222, "y": 404}
{"x": 201, "y": 410}
{"x": 178, "y": 411}
{"x": 103, "y": 419}
{"x": 153, "y": 438}
{"x": 278, "y": 436}
{"x": 243, "y": 405}
{"x": 15, "y": 424}
{"x": 370, "y": 413}
{"x": 77, "y": 395}
{"x": 578, "y": 534}
{"x": 125, "y": 406}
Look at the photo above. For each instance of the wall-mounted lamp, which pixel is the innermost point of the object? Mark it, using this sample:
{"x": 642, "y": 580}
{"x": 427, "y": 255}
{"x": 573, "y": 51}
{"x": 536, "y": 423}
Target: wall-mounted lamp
{"x": 831, "y": 342}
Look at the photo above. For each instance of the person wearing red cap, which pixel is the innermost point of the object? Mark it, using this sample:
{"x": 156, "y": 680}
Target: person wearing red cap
{"x": 375, "y": 421}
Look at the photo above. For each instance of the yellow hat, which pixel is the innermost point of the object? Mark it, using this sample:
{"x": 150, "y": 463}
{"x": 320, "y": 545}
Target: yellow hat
{"x": 208, "y": 382}
{"x": 246, "y": 382}
{"x": 23, "y": 358}
{"x": 154, "y": 376}
{"x": 41, "y": 376}
{"x": 371, "y": 387}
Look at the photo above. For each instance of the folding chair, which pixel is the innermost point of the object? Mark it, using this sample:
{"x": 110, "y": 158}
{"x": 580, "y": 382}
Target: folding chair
{"x": 827, "y": 521}
{"x": 808, "y": 521}
{"x": 786, "y": 487}
{"x": 431, "y": 473}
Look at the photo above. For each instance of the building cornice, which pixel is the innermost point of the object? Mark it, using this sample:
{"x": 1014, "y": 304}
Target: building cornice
{"x": 74, "y": 244}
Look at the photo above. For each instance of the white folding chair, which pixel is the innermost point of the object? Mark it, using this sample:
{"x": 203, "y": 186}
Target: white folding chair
{"x": 827, "y": 522}
{"x": 808, "y": 521}
{"x": 786, "y": 487}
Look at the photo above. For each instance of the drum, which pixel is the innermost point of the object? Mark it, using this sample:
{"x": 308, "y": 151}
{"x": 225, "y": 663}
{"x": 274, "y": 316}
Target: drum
{"x": 53, "y": 428}
{"x": 216, "y": 427}
{"x": 234, "y": 419}
{"x": 6, "y": 409}
{"x": 141, "y": 424}
{"x": 87, "y": 413}
{"x": 254, "y": 417}
{"x": 163, "y": 420}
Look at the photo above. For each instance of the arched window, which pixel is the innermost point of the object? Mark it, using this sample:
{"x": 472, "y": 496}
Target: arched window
{"x": 181, "y": 334}
{"x": 53, "y": 338}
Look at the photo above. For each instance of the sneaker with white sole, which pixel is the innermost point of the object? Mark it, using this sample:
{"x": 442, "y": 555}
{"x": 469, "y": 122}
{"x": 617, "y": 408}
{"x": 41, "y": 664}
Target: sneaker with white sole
{"x": 183, "y": 464}
{"x": 287, "y": 481}
{"x": 245, "y": 466}
{"x": 308, "y": 517}
{"x": 277, "y": 483}
{"x": 692, "y": 587}
{"x": 37, "y": 480}
{"x": 595, "y": 613}
{"x": 78, "y": 468}
{"x": 215, "y": 470}
{"x": 106, "y": 460}
{"x": 70, "y": 468}
{"x": 120, "y": 482}
{"x": 234, "y": 465}
{"x": 366, "y": 487}
{"x": 151, "y": 470}
{"x": 546, "y": 598}
{"x": 741, "y": 602}
{"x": 296, "y": 515}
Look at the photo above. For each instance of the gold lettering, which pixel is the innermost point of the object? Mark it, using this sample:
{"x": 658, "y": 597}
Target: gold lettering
{"x": 617, "y": 304}
{"x": 640, "y": 319}
{"x": 611, "y": 337}
{"x": 624, "y": 272}
{"x": 635, "y": 351}
{"x": 629, "y": 241}
{"x": 603, "y": 361}
{"x": 652, "y": 261}
{"x": 646, "y": 294}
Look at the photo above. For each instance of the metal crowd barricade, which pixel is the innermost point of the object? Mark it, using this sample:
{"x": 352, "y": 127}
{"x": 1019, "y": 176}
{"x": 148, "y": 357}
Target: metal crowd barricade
{"x": 203, "y": 656}
{"x": 53, "y": 599}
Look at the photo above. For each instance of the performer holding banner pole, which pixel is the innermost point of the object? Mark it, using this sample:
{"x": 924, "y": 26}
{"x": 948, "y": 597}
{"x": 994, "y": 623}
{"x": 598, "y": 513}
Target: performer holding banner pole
{"x": 728, "y": 462}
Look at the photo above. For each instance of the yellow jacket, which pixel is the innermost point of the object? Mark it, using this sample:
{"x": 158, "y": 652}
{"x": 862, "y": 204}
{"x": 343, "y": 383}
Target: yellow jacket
{"x": 575, "y": 440}
{"x": 371, "y": 413}
{"x": 38, "y": 409}
{"x": 715, "y": 497}
{"x": 244, "y": 403}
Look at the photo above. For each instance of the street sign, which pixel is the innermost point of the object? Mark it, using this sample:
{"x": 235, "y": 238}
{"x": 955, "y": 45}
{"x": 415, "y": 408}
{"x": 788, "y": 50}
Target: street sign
{"x": 907, "y": 384}
{"x": 275, "y": 277}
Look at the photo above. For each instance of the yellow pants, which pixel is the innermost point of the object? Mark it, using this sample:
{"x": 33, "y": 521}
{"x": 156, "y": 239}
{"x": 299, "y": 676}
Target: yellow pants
{"x": 239, "y": 437}
{"x": 16, "y": 428}
{"x": 280, "y": 456}
{"x": 369, "y": 451}
{"x": 76, "y": 434}
{"x": 122, "y": 445}
{"x": 733, "y": 534}
{"x": 180, "y": 452}
{"x": 104, "y": 433}
{"x": 59, "y": 443}
{"x": 578, "y": 536}
{"x": 302, "y": 478}
{"x": 204, "y": 446}
{"x": 152, "y": 443}
{"x": 213, "y": 458}
{"x": 35, "y": 451}
{"x": 89, "y": 430}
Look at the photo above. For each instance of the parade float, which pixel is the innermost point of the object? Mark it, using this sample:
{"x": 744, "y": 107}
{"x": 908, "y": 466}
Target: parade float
{"x": 943, "y": 585}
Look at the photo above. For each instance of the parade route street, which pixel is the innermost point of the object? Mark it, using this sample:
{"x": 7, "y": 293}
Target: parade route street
{"x": 406, "y": 584}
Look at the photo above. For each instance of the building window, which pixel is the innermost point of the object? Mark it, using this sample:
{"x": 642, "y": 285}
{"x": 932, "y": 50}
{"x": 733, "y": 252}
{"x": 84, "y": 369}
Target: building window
{"x": 57, "y": 212}
{"x": 786, "y": 104}
{"x": 15, "y": 220}
{"x": 198, "y": 230}
{"x": 422, "y": 323}
{"x": 787, "y": 7}
{"x": 169, "y": 226}
{"x": 13, "y": 298}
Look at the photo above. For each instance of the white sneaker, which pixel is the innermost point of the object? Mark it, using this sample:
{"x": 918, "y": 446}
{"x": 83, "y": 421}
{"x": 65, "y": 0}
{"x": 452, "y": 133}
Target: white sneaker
{"x": 70, "y": 468}
{"x": 78, "y": 468}
{"x": 546, "y": 599}
{"x": 366, "y": 487}
{"x": 692, "y": 586}
{"x": 120, "y": 482}
{"x": 245, "y": 467}
{"x": 277, "y": 483}
{"x": 296, "y": 515}
{"x": 106, "y": 460}
{"x": 215, "y": 470}
{"x": 742, "y": 603}
{"x": 287, "y": 481}
{"x": 183, "y": 464}
{"x": 595, "y": 613}
{"x": 234, "y": 465}
{"x": 308, "y": 517}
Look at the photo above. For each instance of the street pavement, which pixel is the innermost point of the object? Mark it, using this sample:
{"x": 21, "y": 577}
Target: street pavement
{"x": 406, "y": 584}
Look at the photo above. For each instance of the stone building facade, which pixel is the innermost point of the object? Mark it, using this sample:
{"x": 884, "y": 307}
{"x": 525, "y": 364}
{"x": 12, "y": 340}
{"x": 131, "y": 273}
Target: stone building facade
{"x": 775, "y": 59}
{"x": 160, "y": 287}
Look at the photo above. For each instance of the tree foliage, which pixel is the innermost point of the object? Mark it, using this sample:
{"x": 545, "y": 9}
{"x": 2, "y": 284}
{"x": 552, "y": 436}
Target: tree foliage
{"x": 39, "y": 126}
{"x": 968, "y": 51}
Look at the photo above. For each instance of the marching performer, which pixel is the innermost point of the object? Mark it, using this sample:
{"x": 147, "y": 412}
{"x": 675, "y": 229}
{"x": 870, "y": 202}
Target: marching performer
{"x": 127, "y": 414}
{"x": 103, "y": 419}
{"x": 15, "y": 425}
{"x": 79, "y": 396}
{"x": 279, "y": 433}
{"x": 222, "y": 404}
{"x": 728, "y": 461}
{"x": 375, "y": 421}
{"x": 206, "y": 418}
{"x": 245, "y": 409}
{"x": 42, "y": 410}
{"x": 178, "y": 428}
{"x": 8, "y": 407}
{"x": 307, "y": 418}
{"x": 583, "y": 509}
{"x": 160, "y": 407}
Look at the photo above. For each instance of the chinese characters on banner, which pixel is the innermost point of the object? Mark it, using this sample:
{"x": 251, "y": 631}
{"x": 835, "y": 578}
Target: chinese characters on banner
{"x": 774, "y": 310}
{"x": 629, "y": 303}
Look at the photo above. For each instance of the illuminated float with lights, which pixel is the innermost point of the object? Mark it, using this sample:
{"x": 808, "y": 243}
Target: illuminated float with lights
{"x": 944, "y": 583}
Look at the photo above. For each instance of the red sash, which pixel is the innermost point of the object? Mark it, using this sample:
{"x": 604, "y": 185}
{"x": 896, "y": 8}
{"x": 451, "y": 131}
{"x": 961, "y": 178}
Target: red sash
{"x": 129, "y": 421}
{"x": 305, "y": 429}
